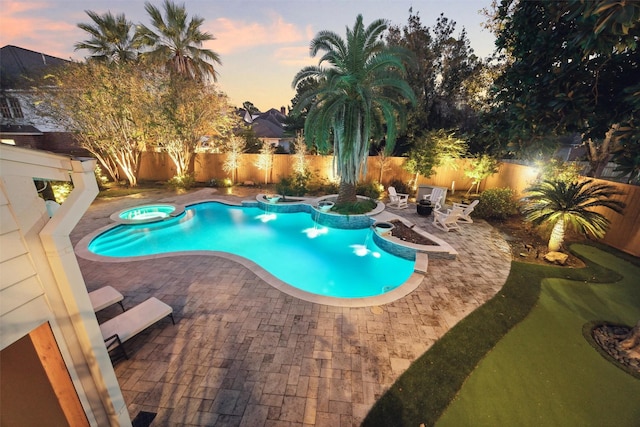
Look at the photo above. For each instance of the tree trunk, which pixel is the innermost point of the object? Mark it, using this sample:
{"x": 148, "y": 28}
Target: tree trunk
{"x": 557, "y": 236}
{"x": 347, "y": 193}
{"x": 599, "y": 154}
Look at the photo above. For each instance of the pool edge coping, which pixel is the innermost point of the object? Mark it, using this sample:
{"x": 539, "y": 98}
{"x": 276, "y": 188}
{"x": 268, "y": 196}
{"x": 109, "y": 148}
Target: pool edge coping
{"x": 81, "y": 249}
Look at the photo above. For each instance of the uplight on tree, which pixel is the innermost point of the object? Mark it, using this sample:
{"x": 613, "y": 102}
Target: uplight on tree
{"x": 265, "y": 159}
{"x": 560, "y": 204}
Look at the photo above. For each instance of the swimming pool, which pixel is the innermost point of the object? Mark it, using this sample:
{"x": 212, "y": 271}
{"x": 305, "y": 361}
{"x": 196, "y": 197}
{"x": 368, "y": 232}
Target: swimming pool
{"x": 290, "y": 246}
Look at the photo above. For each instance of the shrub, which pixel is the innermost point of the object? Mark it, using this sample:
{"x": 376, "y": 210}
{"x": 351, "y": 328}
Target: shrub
{"x": 182, "y": 181}
{"x": 400, "y": 186}
{"x": 497, "y": 203}
{"x": 369, "y": 189}
{"x": 355, "y": 208}
{"x": 61, "y": 190}
{"x": 321, "y": 187}
{"x": 219, "y": 183}
{"x": 101, "y": 178}
{"x": 294, "y": 185}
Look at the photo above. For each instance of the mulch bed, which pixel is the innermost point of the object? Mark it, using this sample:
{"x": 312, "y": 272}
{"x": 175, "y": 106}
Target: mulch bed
{"x": 407, "y": 234}
{"x": 528, "y": 245}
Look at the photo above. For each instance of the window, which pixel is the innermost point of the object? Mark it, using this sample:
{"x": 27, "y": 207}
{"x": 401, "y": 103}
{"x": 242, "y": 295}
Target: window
{"x": 10, "y": 108}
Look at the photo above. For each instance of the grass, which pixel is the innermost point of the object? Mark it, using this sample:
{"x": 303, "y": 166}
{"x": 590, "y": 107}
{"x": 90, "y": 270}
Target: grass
{"x": 425, "y": 390}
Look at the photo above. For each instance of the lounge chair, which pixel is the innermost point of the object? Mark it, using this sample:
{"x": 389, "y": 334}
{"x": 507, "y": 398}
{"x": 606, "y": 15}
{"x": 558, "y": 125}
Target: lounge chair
{"x": 105, "y": 297}
{"x": 437, "y": 197}
{"x": 398, "y": 200}
{"x": 447, "y": 220}
{"x": 125, "y": 326}
{"x": 465, "y": 216}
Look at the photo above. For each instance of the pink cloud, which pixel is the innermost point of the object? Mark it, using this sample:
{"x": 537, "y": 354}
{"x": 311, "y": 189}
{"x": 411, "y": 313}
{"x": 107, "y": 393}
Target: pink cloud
{"x": 21, "y": 26}
{"x": 295, "y": 56}
{"x": 233, "y": 36}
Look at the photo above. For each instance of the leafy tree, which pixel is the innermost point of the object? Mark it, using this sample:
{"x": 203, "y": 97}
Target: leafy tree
{"x": 627, "y": 159}
{"x": 482, "y": 167}
{"x": 383, "y": 163}
{"x": 112, "y": 38}
{"x": 248, "y": 106}
{"x": 107, "y": 107}
{"x": 300, "y": 162}
{"x": 362, "y": 88}
{"x": 558, "y": 170}
{"x": 265, "y": 159}
{"x": 188, "y": 112}
{"x": 176, "y": 43}
{"x": 235, "y": 148}
{"x": 572, "y": 64}
{"x": 561, "y": 204}
{"x": 436, "y": 148}
{"x": 252, "y": 143}
{"x": 445, "y": 75}
{"x": 294, "y": 122}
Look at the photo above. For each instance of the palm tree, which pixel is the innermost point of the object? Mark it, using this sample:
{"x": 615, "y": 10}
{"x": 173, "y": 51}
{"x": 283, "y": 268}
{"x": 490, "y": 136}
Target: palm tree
{"x": 361, "y": 92}
{"x": 111, "y": 38}
{"x": 563, "y": 204}
{"x": 177, "y": 43}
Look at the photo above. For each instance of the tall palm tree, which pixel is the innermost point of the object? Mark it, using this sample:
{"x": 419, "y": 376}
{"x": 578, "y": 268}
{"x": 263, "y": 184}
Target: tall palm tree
{"x": 563, "y": 204}
{"x": 177, "y": 44}
{"x": 362, "y": 93}
{"x": 112, "y": 38}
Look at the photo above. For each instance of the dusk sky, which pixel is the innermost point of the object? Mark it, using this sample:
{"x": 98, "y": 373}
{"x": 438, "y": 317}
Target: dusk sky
{"x": 262, "y": 44}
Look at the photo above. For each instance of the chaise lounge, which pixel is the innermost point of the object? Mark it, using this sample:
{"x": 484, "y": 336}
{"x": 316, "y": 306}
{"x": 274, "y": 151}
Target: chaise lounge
{"x": 125, "y": 326}
{"x": 105, "y": 297}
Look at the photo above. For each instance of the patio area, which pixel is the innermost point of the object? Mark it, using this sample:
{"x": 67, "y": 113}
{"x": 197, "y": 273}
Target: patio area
{"x": 244, "y": 353}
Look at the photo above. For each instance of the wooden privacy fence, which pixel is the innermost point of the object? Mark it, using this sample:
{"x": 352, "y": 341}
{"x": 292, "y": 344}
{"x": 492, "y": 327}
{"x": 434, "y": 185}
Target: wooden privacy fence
{"x": 624, "y": 233}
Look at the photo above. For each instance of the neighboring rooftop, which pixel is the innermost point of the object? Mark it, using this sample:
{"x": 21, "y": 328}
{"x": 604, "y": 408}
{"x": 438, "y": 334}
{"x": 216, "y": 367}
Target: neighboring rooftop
{"x": 269, "y": 124}
{"x": 17, "y": 63}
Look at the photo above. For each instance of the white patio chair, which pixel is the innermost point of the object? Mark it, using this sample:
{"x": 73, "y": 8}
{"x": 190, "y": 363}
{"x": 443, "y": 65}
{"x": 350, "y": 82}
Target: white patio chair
{"x": 437, "y": 198}
{"x": 465, "y": 216}
{"x": 398, "y": 200}
{"x": 447, "y": 220}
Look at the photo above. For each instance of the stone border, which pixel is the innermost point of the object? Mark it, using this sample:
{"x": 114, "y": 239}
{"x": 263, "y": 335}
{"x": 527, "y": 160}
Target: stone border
{"x": 177, "y": 211}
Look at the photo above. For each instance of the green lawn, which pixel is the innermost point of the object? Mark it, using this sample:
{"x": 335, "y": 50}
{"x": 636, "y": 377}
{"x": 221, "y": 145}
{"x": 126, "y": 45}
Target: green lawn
{"x": 544, "y": 372}
{"x": 541, "y": 372}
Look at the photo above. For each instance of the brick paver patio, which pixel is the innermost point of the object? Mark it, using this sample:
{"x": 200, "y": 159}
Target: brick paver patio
{"x": 245, "y": 354}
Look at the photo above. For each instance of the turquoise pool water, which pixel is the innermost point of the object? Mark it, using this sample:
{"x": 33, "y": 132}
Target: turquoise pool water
{"x": 144, "y": 213}
{"x": 290, "y": 246}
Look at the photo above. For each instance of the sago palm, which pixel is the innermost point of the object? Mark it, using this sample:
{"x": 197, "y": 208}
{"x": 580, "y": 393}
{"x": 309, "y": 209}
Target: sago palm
{"x": 362, "y": 93}
{"x": 112, "y": 38}
{"x": 177, "y": 44}
{"x": 561, "y": 204}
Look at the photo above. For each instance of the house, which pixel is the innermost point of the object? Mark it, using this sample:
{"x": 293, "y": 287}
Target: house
{"x": 269, "y": 127}
{"x": 54, "y": 366}
{"x": 20, "y": 124}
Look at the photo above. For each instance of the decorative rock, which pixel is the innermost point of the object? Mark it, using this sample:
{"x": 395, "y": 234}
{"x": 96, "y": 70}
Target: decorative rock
{"x": 556, "y": 257}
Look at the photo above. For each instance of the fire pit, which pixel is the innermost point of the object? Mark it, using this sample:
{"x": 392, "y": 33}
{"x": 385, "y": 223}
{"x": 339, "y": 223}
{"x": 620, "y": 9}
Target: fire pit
{"x": 424, "y": 207}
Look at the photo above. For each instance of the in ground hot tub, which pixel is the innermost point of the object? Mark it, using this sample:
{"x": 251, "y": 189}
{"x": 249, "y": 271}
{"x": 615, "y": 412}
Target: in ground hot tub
{"x": 147, "y": 213}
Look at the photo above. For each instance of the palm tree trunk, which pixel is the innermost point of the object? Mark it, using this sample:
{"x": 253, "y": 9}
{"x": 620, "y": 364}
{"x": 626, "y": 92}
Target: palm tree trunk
{"x": 347, "y": 193}
{"x": 557, "y": 236}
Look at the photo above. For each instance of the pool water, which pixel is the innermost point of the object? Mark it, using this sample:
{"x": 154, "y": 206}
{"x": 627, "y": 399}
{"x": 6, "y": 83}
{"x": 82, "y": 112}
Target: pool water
{"x": 145, "y": 213}
{"x": 290, "y": 246}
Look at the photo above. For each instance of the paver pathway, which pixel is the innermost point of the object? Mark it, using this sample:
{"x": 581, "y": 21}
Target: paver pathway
{"x": 244, "y": 354}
